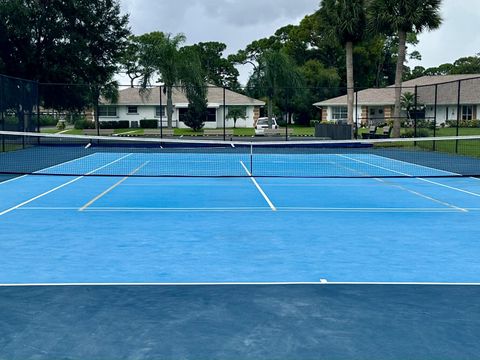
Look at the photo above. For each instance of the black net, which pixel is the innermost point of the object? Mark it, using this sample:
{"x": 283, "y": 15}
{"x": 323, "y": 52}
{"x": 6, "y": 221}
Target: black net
{"x": 53, "y": 154}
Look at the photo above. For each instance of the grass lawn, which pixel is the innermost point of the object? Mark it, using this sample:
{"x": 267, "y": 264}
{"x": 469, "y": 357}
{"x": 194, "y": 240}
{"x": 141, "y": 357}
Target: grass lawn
{"x": 129, "y": 131}
{"x": 187, "y": 132}
{"x": 465, "y": 147}
{"x": 244, "y": 132}
{"x": 299, "y": 130}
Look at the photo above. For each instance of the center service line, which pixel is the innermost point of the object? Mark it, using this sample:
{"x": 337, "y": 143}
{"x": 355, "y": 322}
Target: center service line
{"x": 259, "y": 188}
{"x": 98, "y": 197}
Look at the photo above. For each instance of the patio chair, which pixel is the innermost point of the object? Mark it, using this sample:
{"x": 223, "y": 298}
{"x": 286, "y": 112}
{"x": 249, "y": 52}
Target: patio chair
{"x": 372, "y": 130}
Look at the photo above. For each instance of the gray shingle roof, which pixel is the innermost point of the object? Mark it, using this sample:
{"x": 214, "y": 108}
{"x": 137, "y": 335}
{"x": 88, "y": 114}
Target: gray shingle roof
{"x": 447, "y": 92}
{"x": 133, "y": 96}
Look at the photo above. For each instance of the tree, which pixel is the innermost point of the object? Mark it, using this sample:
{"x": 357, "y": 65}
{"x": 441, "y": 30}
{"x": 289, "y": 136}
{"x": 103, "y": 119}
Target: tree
{"x": 218, "y": 70}
{"x": 160, "y": 54}
{"x": 130, "y": 61}
{"x": 235, "y": 113}
{"x": 402, "y": 17}
{"x": 275, "y": 71}
{"x": 63, "y": 41}
{"x": 408, "y": 103}
{"x": 347, "y": 23}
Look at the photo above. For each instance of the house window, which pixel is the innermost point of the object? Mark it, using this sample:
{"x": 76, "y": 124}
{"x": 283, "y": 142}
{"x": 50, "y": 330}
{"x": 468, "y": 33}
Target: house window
{"x": 212, "y": 115}
{"x": 339, "y": 113}
{"x": 107, "y": 111}
{"x": 467, "y": 112}
{"x": 132, "y": 110}
{"x": 160, "y": 111}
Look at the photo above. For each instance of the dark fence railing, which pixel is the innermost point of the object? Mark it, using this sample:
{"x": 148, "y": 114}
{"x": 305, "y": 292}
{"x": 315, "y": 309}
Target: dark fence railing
{"x": 439, "y": 109}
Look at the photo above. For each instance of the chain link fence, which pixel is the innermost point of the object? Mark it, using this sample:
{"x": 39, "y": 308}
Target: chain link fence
{"x": 430, "y": 107}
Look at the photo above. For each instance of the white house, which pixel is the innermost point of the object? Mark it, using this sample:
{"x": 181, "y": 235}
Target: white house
{"x": 134, "y": 106}
{"x": 437, "y": 97}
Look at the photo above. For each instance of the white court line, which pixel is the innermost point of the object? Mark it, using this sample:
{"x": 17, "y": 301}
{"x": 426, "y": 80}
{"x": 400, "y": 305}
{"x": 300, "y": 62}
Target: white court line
{"x": 140, "y": 209}
{"x": 322, "y": 282}
{"x": 450, "y": 187}
{"x": 421, "y": 195}
{"x": 259, "y": 187}
{"x": 411, "y": 176}
{"x": 58, "y": 187}
{"x": 64, "y": 163}
{"x": 246, "y": 209}
{"x": 99, "y": 196}
{"x": 416, "y": 165}
{"x": 406, "y": 189}
{"x": 14, "y": 179}
{"x": 51, "y": 167}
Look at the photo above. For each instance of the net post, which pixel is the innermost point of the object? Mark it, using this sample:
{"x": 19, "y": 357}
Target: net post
{"x": 435, "y": 116}
{"x": 458, "y": 113}
{"x": 224, "y": 113}
{"x": 161, "y": 112}
{"x": 286, "y": 115}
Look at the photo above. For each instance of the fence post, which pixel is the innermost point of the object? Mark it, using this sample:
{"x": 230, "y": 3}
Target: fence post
{"x": 2, "y": 112}
{"x": 38, "y": 106}
{"x": 286, "y": 116}
{"x": 458, "y": 113}
{"x": 415, "y": 115}
{"x": 161, "y": 112}
{"x": 224, "y": 113}
{"x": 435, "y": 116}
{"x": 356, "y": 114}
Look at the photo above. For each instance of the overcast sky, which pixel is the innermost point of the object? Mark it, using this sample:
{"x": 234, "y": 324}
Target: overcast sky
{"x": 239, "y": 22}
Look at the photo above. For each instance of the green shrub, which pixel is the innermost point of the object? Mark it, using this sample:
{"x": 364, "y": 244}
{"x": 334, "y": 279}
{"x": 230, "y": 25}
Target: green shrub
{"x": 314, "y": 122}
{"x": 47, "y": 120}
{"x": 122, "y": 124}
{"x": 81, "y": 124}
{"x": 149, "y": 124}
{"x": 61, "y": 125}
{"x": 463, "y": 123}
{"x": 410, "y": 133}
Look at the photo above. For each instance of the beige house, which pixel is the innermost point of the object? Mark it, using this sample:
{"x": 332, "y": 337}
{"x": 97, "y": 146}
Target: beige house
{"x": 437, "y": 99}
{"x": 134, "y": 105}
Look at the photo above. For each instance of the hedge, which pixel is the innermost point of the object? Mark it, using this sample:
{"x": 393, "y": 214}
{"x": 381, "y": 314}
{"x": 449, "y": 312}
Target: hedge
{"x": 149, "y": 124}
{"x": 122, "y": 124}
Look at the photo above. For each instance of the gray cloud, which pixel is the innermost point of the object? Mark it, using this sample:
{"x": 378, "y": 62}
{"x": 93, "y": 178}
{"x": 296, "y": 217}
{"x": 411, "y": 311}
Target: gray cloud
{"x": 239, "y": 22}
{"x": 235, "y": 22}
{"x": 457, "y": 37}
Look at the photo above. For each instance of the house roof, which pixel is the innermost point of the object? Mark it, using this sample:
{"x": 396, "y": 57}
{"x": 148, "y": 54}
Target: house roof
{"x": 447, "y": 92}
{"x": 133, "y": 96}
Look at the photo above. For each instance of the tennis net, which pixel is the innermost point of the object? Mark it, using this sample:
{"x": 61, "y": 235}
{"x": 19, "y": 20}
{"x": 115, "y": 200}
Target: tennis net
{"x": 75, "y": 155}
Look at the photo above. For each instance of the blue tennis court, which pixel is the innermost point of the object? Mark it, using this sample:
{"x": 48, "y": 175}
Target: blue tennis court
{"x": 336, "y": 253}
{"x": 88, "y": 229}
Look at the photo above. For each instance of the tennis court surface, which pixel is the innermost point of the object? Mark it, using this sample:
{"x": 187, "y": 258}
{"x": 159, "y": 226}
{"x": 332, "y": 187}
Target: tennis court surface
{"x": 168, "y": 249}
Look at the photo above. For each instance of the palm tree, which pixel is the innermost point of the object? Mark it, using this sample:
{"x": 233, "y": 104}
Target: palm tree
{"x": 407, "y": 103}
{"x": 275, "y": 71}
{"x": 402, "y": 17}
{"x": 346, "y": 21}
{"x": 161, "y": 54}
